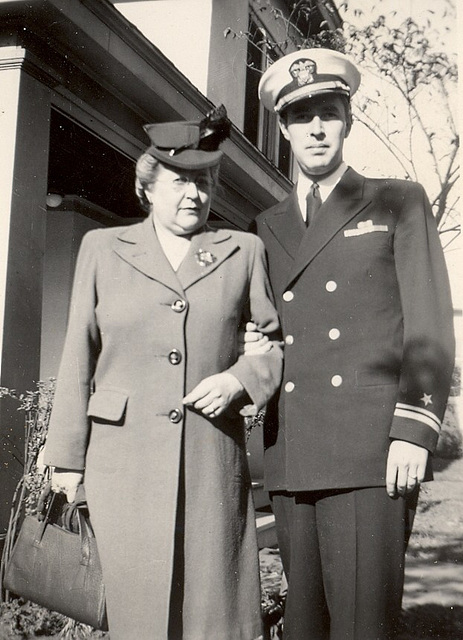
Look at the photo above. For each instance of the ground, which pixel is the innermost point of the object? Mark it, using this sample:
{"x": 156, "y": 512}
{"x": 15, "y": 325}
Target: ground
{"x": 433, "y": 599}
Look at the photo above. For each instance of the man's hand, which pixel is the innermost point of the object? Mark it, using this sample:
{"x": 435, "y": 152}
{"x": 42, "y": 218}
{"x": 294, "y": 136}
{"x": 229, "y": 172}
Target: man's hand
{"x": 66, "y": 481}
{"x": 214, "y": 394}
{"x": 406, "y": 466}
{"x": 252, "y": 342}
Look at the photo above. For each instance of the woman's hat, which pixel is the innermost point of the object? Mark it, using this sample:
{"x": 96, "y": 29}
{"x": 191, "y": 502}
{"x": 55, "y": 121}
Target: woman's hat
{"x": 306, "y": 73}
{"x": 190, "y": 145}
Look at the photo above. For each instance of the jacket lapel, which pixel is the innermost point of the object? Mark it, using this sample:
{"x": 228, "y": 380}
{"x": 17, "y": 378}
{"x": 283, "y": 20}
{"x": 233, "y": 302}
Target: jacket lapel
{"x": 139, "y": 246}
{"x": 207, "y": 252}
{"x": 344, "y": 203}
{"x": 287, "y": 225}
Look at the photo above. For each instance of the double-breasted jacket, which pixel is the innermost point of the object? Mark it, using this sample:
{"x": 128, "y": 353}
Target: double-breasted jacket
{"x": 363, "y": 298}
{"x": 163, "y": 481}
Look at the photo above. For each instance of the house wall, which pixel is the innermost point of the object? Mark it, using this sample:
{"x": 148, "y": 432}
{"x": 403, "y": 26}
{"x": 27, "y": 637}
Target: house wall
{"x": 85, "y": 60}
{"x": 24, "y": 155}
{"x": 191, "y": 34}
{"x": 64, "y": 233}
{"x": 227, "y": 58}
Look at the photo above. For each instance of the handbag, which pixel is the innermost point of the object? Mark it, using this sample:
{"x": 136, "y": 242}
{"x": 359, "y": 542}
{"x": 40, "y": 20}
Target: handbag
{"x": 55, "y": 563}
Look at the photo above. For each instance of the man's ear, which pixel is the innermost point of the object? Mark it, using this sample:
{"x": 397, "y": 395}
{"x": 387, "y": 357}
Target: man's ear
{"x": 283, "y": 127}
{"x": 348, "y": 119}
{"x": 348, "y": 127}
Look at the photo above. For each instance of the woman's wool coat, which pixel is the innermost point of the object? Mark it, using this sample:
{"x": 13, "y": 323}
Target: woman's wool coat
{"x": 168, "y": 489}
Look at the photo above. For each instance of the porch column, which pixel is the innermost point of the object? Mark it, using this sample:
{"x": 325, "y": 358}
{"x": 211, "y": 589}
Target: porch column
{"x": 24, "y": 140}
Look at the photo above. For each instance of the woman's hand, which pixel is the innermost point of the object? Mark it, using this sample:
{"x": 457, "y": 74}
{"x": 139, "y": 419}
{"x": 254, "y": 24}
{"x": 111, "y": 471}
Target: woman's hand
{"x": 214, "y": 394}
{"x": 66, "y": 481}
{"x": 252, "y": 342}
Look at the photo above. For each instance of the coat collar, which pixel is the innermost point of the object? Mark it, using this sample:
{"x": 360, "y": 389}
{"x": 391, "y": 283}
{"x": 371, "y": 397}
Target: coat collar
{"x": 138, "y": 245}
{"x": 207, "y": 251}
{"x": 346, "y": 200}
{"x": 286, "y": 223}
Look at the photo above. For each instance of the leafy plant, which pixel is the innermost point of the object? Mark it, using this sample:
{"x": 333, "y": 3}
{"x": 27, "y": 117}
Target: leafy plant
{"x": 21, "y": 619}
{"x": 36, "y": 406}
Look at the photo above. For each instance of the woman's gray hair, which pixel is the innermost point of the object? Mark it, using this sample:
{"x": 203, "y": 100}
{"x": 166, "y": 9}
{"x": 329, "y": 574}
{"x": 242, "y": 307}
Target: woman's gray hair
{"x": 146, "y": 170}
{"x": 145, "y": 174}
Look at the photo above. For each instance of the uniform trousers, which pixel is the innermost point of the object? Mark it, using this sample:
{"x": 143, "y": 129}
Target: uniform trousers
{"x": 343, "y": 553}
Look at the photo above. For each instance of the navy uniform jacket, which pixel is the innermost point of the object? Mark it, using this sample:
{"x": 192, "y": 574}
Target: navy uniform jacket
{"x": 364, "y": 300}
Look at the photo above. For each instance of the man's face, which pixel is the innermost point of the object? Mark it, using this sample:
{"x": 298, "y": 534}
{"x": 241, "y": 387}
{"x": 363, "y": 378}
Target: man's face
{"x": 316, "y": 129}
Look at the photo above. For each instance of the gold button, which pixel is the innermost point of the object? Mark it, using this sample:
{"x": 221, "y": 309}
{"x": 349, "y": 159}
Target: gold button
{"x": 331, "y": 286}
{"x": 334, "y": 333}
{"x": 178, "y": 306}
{"x": 336, "y": 381}
{"x": 289, "y": 386}
{"x": 289, "y": 339}
{"x": 175, "y": 357}
{"x": 288, "y": 296}
{"x": 175, "y": 416}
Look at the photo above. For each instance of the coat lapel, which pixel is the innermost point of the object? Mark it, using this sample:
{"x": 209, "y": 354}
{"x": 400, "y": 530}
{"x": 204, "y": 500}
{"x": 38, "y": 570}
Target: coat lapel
{"x": 287, "y": 225}
{"x": 139, "y": 246}
{"x": 344, "y": 203}
{"x": 207, "y": 252}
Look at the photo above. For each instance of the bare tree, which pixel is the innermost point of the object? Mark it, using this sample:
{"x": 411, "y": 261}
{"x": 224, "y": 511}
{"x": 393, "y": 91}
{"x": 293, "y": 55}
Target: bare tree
{"x": 409, "y": 105}
{"x": 408, "y": 97}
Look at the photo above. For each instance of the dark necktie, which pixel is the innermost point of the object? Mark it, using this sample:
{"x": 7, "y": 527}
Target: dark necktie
{"x": 313, "y": 203}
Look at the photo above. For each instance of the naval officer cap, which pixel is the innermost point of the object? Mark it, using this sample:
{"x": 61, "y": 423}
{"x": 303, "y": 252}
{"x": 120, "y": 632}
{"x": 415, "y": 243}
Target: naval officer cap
{"x": 306, "y": 73}
{"x": 189, "y": 145}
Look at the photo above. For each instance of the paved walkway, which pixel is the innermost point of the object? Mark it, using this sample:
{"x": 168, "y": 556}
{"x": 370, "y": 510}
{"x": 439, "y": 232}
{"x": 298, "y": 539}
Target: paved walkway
{"x": 434, "y": 568}
{"x": 439, "y": 583}
{"x": 433, "y": 594}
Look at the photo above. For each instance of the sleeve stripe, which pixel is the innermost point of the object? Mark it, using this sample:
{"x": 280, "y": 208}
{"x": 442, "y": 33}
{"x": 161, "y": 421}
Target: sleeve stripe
{"x": 416, "y": 413}
{"x": 425, "y": 412}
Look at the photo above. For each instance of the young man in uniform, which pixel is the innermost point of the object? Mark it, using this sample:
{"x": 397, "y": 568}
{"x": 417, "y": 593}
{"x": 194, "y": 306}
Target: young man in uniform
{"x": 361, "y": 286}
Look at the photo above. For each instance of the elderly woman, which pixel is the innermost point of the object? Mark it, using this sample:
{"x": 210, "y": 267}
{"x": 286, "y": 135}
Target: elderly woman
{"x": 149, "y": 396}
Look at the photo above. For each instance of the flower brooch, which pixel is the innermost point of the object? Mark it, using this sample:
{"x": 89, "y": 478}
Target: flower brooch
{"x": 204, "y": 258}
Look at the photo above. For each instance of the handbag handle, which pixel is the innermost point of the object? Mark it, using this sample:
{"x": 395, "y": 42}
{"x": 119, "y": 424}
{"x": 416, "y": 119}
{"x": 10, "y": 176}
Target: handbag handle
{"x": 85, "y": 532}
{"x": 85, "y": 529}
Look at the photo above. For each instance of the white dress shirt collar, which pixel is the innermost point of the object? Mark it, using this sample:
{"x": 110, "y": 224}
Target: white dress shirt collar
{"x": 326, "y": 185}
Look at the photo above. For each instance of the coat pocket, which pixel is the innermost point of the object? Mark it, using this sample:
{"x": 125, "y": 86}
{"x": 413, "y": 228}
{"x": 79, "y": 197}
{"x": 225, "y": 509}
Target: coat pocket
{"x": 375, "y": 378}
{"x": 108, "y": 405}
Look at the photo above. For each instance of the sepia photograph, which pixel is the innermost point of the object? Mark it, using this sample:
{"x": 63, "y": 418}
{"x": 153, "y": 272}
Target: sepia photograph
{"x": 231, "y": 320}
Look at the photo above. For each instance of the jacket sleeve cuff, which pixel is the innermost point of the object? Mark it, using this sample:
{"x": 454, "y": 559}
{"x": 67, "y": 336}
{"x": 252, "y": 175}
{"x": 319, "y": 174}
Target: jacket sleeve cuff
{"x": 260, "y": 377}
{"x": 415, "y": 425}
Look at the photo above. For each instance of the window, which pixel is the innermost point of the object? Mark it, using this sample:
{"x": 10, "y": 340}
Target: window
{"x": 261, "y": 126}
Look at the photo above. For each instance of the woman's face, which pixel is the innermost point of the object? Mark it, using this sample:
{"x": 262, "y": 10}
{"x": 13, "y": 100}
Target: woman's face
{"x": 180, "y": 199}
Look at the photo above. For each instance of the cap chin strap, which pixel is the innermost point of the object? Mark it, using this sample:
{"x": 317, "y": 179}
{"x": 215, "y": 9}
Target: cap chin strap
{"x": 308, "y": 91}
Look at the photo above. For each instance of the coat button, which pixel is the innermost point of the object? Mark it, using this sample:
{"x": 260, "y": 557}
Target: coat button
{"x": 331, "y": 286}
{"x": 175, "y": 357}
{"x": 336, "y": 381}
{"x": 175, "y": 416}
{"x": 289, "y": 386}
{"x": 289, "y": 339}
{"x": 334, "y": 333}
{"x": 288, "y": 296}
{"x": 178, "y": 306}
